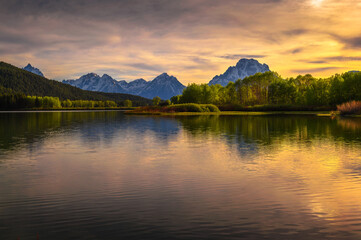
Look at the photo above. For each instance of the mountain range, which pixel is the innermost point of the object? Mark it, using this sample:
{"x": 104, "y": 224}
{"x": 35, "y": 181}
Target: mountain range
{"x": 164, "y": 86}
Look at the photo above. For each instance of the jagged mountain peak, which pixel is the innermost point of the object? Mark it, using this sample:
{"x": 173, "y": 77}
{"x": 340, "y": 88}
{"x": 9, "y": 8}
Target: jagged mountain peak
{"x": 32, "y": 69}
{"x": 245, "y": 61}
{"x": 163, "y": 86}
{"x": 244, "y": 68}
{"x": 138, "y": 81}
{"x": 165, "y": 77}
{"x": 106, "y": 76}
{"x": 90, "y": 75}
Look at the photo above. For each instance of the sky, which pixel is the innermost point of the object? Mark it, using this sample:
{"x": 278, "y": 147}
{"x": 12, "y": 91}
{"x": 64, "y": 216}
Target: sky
{"x": 194, "y": 40}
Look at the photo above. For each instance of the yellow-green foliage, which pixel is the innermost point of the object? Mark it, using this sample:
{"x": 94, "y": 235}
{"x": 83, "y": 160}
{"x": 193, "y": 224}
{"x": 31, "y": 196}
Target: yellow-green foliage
{"x": 20, "y": 101}
{"x": 156, "y": 101}
{"x": 192, "y": 107}
{"x": 41, "y": 102}
{"x": 89, "y": 104}
{"x": 186, "y": 107}
{"x": 127, "y": 103}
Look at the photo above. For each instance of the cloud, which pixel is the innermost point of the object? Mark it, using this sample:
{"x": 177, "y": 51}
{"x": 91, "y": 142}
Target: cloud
{"x": 239, "y": 56}
{"x": 313, "y": 70}
{"x": 193, "y": 39}
{"x": 354, "y": 42}
{"x": 343, "y": 59}
{"x": 317, "y": 62}
{"x": 145, "y": 66}
{"x": 296, "y": 50}
{"x": 324, "y": 60}
{"x": 295, "y": 32}
{"x": 349, "y": 42}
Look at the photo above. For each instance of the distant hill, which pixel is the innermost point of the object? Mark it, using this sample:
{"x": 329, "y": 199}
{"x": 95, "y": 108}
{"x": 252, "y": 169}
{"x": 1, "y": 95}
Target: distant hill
{"x": 244, "y": 68}
{"x": 34, "y": 70}
{"x": 163, "y": 86}
{"x": 20, "y": 80}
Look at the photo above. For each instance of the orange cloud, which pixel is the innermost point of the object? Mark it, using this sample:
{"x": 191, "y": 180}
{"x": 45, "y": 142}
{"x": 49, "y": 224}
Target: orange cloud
{"x": 192, "y": 40}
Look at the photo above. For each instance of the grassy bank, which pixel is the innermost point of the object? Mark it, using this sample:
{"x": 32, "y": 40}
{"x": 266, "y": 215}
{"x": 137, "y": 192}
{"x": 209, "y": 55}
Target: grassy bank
{"x": 233, "y": 113}
{"x": 68, "y": 109}
{"x": 209, "y": 109}
{"x": 176, "y": 108}
{"x": 275, "y": 108}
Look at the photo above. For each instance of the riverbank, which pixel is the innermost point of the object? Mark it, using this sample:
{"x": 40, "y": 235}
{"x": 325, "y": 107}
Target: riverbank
{"x": 236, "y": 113}
{"x": 130, "y": 111}
{"x": 68, "y": 109}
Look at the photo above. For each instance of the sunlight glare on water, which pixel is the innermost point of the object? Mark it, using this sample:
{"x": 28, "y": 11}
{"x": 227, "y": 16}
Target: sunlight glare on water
{"x": 105, "y": 175}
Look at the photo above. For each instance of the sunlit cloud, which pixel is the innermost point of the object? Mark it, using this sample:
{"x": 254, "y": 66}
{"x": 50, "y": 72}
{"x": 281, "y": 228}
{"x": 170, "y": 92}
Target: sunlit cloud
{"x": 193, "y": 40}
{"x": 317, "y": 3}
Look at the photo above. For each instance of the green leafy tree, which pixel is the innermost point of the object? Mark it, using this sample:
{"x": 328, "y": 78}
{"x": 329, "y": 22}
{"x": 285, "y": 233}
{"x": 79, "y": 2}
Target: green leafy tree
{"x": 127, "y": 103}
{"x": 165, "y": 103}
{"x": 176, "y": 99}
{"x": 37, "y": 102}
{"x": 337, "y": 91}
{"x": 156, "y": 101}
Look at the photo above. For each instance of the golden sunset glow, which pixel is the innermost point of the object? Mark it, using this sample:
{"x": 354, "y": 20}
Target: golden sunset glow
{"x": 317, "y": 3}
{"x": 192, "y": 40}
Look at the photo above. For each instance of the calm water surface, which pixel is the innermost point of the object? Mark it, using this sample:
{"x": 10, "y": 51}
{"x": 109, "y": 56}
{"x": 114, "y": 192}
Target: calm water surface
{"x": 105, "y": 175}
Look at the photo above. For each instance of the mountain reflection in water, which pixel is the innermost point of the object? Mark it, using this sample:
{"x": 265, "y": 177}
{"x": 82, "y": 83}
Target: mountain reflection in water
{"x": 105, "y": 175}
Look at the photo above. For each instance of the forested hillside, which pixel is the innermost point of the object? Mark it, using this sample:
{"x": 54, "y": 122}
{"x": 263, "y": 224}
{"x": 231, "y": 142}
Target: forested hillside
{"x": 21, "y": 81}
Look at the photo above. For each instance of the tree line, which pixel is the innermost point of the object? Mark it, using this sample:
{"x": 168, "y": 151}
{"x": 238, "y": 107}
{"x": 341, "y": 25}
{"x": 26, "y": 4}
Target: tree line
{"x": 21, "y": 101}
{"x": 270, "y": 88}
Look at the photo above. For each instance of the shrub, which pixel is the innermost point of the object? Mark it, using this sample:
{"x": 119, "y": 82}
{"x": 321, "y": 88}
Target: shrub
{"x": 191, "y": 107}
{"x": 204, "y": 108}
{"x": 165, "y": 103}
{"x": 353, "y": 107}
{"x": 212, "y": 108}
{"x": 187, "y": 107}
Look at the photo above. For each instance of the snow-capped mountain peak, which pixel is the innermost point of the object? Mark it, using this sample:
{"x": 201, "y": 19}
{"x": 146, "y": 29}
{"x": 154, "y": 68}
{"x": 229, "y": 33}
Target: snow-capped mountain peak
{"x": 164, "y": 86}
{"x": 34, "y": 70}
{"x": 244, "y": 68}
